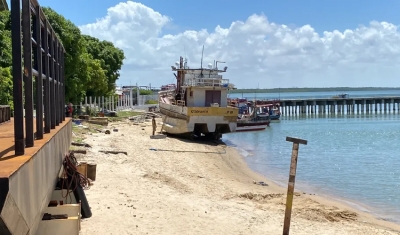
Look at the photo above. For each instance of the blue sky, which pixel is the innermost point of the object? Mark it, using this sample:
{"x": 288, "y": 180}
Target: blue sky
{"x": 259, "y": 49}
{"x": 323, "y": 15}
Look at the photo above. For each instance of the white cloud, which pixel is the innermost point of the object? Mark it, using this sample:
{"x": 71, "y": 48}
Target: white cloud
{"x": 256, "y": 51}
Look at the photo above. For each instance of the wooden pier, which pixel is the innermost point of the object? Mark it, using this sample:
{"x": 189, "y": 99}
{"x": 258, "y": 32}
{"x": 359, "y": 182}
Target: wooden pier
{"x": 355, "y": 105}
{"x": 32, "y": 147}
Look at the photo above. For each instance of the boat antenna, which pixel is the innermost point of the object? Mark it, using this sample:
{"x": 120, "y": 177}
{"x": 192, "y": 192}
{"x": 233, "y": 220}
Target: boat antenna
{"x": 201, "y": 63}
{"x": 202, "y": 53}
{"x": 184, "y": 50}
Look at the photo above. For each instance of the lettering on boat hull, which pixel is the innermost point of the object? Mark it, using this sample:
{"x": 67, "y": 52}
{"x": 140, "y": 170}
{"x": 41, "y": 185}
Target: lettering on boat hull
{"x": 212, "y": 111}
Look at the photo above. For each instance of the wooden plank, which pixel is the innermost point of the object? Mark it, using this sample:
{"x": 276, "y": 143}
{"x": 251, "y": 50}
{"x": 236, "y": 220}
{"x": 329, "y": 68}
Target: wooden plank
{"x": 292, "y": 178}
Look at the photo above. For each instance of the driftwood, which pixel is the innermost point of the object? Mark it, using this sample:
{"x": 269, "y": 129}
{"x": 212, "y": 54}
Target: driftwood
{"x": 98, "y": 130}
{"x": 113, "y": 152}
{"x": 81, "y": 144}
{"x": 78, "y": 151}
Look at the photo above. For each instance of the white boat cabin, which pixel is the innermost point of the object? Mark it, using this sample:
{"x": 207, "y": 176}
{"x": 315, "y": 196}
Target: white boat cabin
{"x": 203, "y": 87}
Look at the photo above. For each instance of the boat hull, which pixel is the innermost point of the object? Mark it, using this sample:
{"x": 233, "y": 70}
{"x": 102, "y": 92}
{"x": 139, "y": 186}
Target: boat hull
{"x": 251, "y": 128}
{"x": 198, "y": 120}
{"x": 274, "y": 117}
{"x": 253, "y": 123}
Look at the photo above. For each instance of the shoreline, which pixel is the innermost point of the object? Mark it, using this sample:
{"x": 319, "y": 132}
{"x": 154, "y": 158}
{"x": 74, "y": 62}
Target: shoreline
{"x": 311, "y": 190}
{"x": 326, "y": 198}
{"x": 184, "y": 189}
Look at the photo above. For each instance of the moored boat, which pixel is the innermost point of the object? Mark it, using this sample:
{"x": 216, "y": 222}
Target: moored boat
{"x": 252, "y": 121}
{"x": 270, "y": 110}
{"x": 252, "y": 125}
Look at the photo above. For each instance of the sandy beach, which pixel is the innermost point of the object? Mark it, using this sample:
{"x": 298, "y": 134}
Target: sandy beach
{"x": 188, "y": 187}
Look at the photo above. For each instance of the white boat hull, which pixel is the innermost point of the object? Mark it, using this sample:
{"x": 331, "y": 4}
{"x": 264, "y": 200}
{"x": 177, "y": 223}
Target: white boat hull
{"x": 183, "y": 120}
{"x": 179, "y": 126}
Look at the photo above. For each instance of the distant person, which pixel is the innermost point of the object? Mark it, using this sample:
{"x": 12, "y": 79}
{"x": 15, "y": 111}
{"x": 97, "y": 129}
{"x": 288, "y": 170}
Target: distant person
{"x": 69, "y": 110}
{"x": 154, "y": 125}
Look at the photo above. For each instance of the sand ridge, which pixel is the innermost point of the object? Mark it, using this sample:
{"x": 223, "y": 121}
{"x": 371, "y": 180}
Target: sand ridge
{"x": 189, "y": 187}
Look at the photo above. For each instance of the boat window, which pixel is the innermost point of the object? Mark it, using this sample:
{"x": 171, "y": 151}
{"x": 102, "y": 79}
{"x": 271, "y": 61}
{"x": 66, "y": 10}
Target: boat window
{"x": 212, "y": 97}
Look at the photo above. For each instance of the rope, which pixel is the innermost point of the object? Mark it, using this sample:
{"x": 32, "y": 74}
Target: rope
{"x": 189, "y": 151}
{"x": 70, "y": 171}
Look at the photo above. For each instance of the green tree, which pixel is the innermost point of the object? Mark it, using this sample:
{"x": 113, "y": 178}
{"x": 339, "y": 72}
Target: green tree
{"x": 145, "y": 92}
{"x": 6, "y": 87}
{"x": 110, "y": 57}
{"x": 98, "y": 84}
{"x": 6, "y": 84}
{"x": 91, "y": 66}
{"x": 5, "y": 39}
{"x": 76, "y": 58}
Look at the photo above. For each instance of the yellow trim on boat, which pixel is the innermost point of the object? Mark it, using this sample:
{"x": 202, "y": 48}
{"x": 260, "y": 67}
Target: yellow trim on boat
{"x": 212, "y": 111}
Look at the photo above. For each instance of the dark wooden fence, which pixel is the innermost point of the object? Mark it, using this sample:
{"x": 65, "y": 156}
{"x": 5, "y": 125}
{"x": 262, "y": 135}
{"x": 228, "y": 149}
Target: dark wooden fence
{"x": 43, "y": 60}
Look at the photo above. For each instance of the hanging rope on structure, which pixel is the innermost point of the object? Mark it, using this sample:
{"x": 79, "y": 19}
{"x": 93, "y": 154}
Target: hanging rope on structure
{"x": 71, "y": 177}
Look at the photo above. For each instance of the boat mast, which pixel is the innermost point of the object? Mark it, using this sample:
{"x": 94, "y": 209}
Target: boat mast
{"x": 201, "y": 63}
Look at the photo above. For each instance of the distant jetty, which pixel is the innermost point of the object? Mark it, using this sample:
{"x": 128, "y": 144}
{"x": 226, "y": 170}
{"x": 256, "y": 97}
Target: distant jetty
{"x": 346, "y": 105}
{"x": 312, "y": 89}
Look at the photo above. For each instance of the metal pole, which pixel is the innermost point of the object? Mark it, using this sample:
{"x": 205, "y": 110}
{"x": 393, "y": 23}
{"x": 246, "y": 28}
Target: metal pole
{"x": 17, "y": 77}
{"x": 28, "y": 82}
{"x": 52, "y": 82}
{"x": 39, "y": 79}
{"x": 292, "y": 176}
{"x": 47, "y": 84}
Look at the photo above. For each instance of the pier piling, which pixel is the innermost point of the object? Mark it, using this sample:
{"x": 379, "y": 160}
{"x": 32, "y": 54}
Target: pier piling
{"x": 340, "y": 106}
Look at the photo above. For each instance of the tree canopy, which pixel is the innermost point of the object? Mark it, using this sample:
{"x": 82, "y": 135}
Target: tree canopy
{"x": 110, "y": 58}
{"x": 91, "y": 65}
{"x": 5, "y": 59}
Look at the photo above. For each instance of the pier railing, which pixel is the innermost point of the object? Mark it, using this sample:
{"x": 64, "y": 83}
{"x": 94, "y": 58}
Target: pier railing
{"x": 5, "y": 113}
{"x": 206, "y": 82}
{"x": 40, "y": 43}
{"x": 252, "y": 96}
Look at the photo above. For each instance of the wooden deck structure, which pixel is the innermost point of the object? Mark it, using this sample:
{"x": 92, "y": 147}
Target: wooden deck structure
{"x": 32, "y": 148}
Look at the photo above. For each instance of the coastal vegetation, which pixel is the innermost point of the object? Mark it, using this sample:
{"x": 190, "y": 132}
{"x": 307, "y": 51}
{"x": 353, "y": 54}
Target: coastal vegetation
{"x": 91, "y": 65}
{"x": 312, "y": 89}
{"x": 145, "y": 92}
{"x": 151, "y": 102}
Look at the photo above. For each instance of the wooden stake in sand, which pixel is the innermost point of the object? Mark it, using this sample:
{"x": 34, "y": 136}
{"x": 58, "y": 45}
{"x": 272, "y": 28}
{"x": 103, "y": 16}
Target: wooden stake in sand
{"x": 292, "y": 176}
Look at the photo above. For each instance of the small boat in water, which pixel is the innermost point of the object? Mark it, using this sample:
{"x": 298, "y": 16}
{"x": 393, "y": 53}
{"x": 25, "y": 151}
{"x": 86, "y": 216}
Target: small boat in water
{"x": 270, "y": 110}
{"x": 253, "y": 121}
{"x": 252, "y": 125}
{"x": 341, "y": 96}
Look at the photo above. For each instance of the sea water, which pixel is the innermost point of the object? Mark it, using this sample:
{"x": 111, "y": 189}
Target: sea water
{"x": 355, "y": 158}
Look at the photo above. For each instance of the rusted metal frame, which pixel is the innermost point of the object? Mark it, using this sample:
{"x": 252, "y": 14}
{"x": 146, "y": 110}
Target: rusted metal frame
{"x": 56, "y": 83}
{"x": 47, "y": 111}
{"x": 17, "y": 77}
{"x": 46, "y": 46}
{"x": 27, "y": 72}
{"x": 63, "y": 82}
{"x": 4, "y": 113}
{"x": 59, "y": 84}
{"x": 52, "y": 83}
{"x": 39, "y": 67}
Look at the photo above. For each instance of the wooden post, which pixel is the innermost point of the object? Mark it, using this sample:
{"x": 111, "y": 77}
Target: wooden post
{"x": 292, "y": 176}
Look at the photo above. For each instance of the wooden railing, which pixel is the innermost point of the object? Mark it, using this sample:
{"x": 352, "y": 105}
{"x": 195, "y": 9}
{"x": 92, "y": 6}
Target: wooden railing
{"x": 5, "y": 113}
